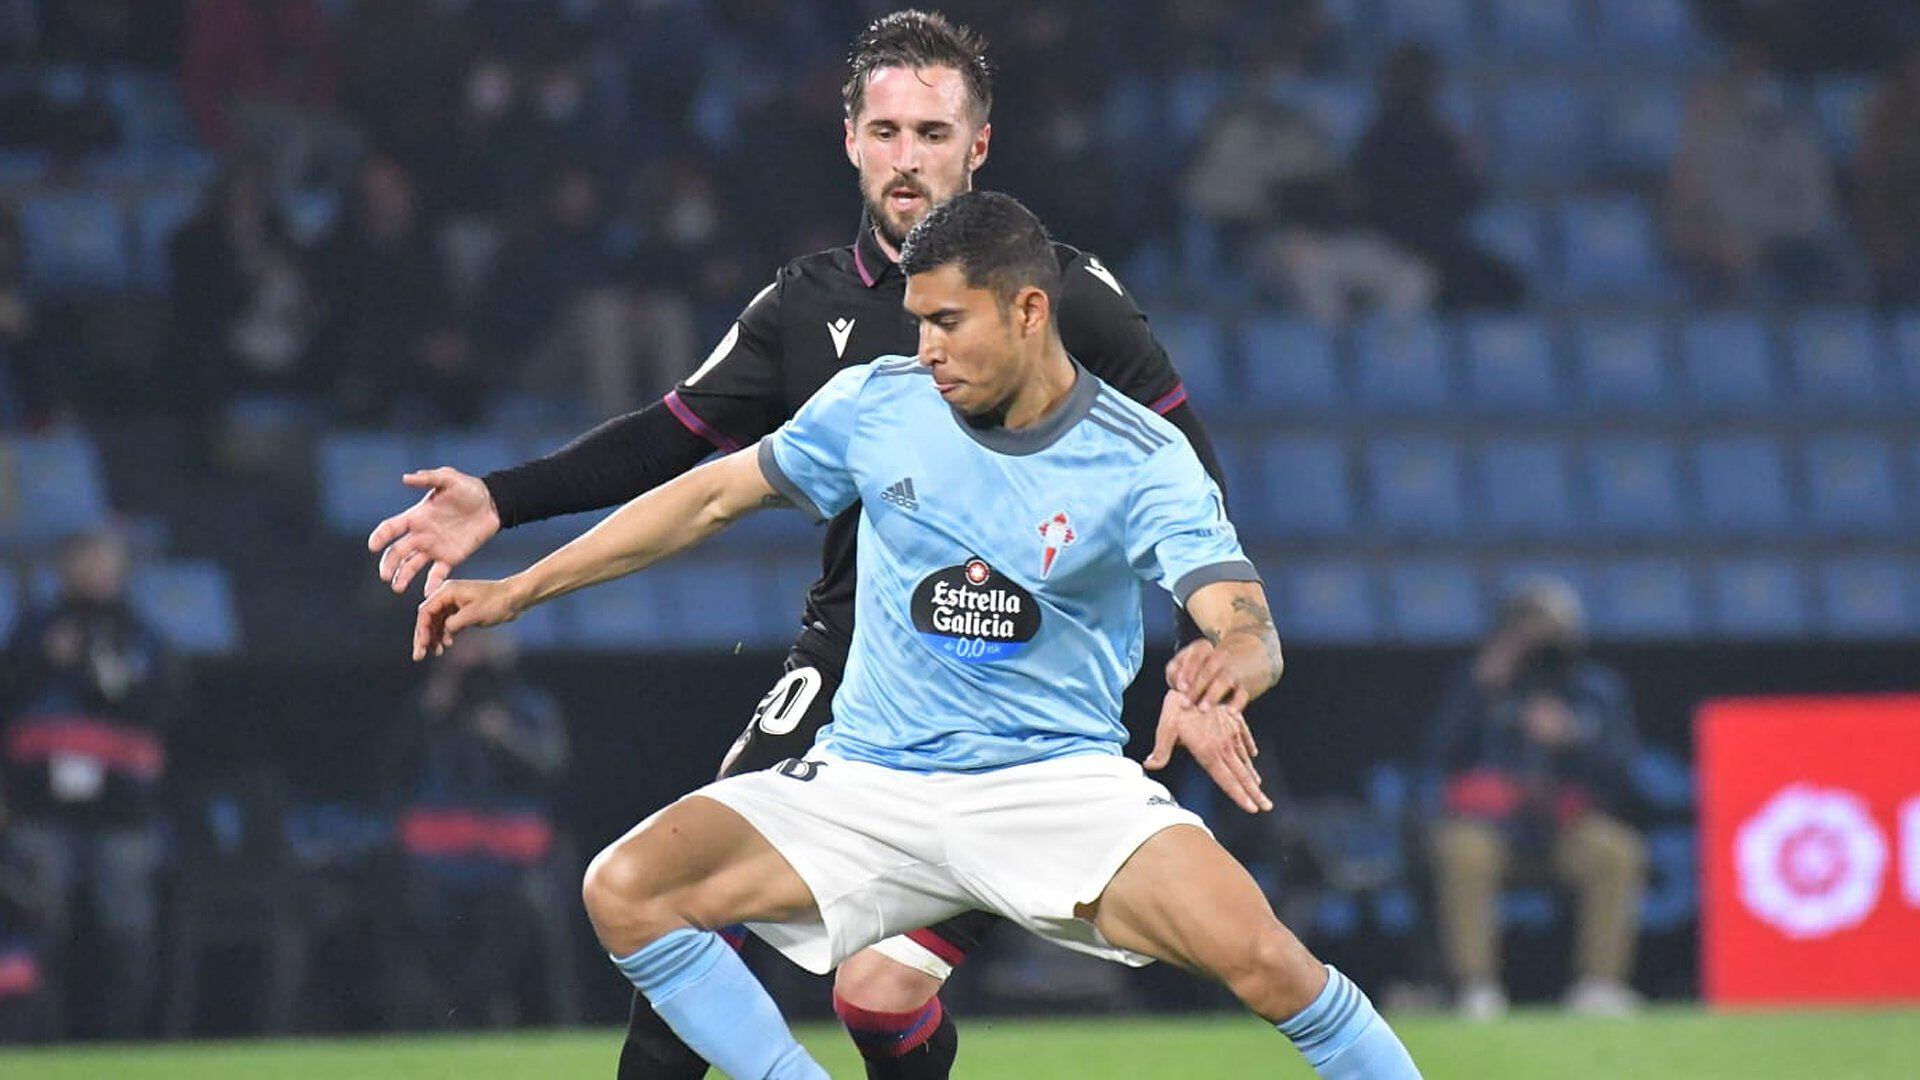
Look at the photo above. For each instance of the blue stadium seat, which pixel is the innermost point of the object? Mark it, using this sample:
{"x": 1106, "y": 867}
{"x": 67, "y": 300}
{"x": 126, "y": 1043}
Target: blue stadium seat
{"x": 1841, "y": 104}
{"x": 1197, "y": 347}
{"x": 477, "y": 452}
{"x": 1300, "y": 487}
{"x": 360, "y": 479}
{"x": 1542, "y": 130}
{"x": 1191, "y": 98}
{"x": 1540, "y": 29}
{"x": 75, "y": 240}
{"x": 725, "y": 603}
{"x": 1509, "y": 361}
{"x": 1510, "y": 229}
{"x": 1414, "y": 486}
{"x": 21, "y": 168}
{"x": 1524, "y": 488}
{"x": 1904, "y": 337}
{"x": 190, "y": 603}
{"x": 1646, "y": 598}
{"x": 1641, "y": 126}
{"x": 1757, "y": 596}
{"x": 156, "y": 218}
{"x": 1743, "y": 485}
{"x": 1868, "y": 596}
{"x": 1404, "y": 366}
{"x": 52, "y": 487}
{"x": 10, "y": 602}
{"x": 310, "y": 214}
{"x": 1635, "y": 487}
{"x": 1289, "y": 365}
{"x": 1836, "y": 362}
{"x": 1623, "y": 363}
{"x": 1851, "y": 489}
{"x": 1729, "y": 362}
{"x": 1445, "y": 26}
{"x": 1329, "y": 602}
{"x": 640, "y": 611}
{"x": 1341, "y": 108}
{"x": 1608, "y": 248}
{"x": 1641, "y": 30}
{"x": 1434, "y": 601}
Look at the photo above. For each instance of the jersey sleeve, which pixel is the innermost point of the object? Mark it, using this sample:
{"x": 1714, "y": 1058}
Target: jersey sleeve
{"x": 806, "y": 458}
{"x": 1104, "y": 329}
{"x": 1178, "y": 535}
{"x": 733, "y": 397}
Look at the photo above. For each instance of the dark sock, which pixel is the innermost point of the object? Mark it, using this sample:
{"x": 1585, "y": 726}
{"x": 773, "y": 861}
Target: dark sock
{"x": 652, "y": 1051}
{"x": 917, "y": 1045}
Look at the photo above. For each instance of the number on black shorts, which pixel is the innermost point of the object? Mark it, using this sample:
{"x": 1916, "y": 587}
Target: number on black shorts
{"x": 780, "y": 711}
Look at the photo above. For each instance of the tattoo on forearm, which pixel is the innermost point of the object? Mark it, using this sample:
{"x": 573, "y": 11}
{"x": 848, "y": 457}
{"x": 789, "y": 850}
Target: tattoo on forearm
{"x": 1255, "y": 620}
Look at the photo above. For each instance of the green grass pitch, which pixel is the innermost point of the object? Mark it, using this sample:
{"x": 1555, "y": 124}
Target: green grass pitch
{"x": 1677, "y": 1043}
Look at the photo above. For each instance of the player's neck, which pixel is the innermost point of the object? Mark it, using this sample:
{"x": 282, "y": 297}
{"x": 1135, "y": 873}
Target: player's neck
{"x": 880, "y": 237}
{"x": 1045, "y": 391}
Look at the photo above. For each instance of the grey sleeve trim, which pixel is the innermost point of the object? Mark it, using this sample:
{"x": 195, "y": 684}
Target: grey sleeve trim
{"x": 1231, "y": 570}
{"x": 770, "y": 468}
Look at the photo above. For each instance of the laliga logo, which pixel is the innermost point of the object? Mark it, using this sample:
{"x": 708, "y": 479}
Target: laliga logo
{"x": 1812, "y": 861}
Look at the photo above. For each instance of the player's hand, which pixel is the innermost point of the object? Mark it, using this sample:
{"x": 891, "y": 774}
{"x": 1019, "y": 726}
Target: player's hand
{"x": 1218, "y": 738}
{"x": 449, "y": 523}
{"x": 1201, "y": 672}
{"x": 457, "y": 606}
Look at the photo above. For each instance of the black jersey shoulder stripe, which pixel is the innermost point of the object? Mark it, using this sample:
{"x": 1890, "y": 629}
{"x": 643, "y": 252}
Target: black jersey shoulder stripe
{"x": 1118, "y": 414}
{"x": 1129, "y": 434}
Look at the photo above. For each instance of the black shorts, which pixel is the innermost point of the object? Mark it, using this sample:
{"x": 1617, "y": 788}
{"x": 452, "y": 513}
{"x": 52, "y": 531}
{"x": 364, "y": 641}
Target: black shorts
{"x": 784, "y": 725}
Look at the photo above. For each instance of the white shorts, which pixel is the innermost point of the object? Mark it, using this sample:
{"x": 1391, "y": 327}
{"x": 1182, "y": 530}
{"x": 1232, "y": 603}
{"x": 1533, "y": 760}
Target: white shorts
{"x": 886, "y": 851}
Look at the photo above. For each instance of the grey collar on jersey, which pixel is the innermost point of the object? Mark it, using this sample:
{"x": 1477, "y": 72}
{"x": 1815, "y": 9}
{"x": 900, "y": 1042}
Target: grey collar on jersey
{"x": 1037, "y": 437}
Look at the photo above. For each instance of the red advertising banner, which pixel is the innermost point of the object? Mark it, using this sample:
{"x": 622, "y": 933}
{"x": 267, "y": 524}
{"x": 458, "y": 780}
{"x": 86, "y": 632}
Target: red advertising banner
{"x": 1810, "y": 834}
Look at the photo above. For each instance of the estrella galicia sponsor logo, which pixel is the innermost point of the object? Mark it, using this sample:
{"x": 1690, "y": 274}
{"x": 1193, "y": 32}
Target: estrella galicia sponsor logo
{"x": 974, "y": 614}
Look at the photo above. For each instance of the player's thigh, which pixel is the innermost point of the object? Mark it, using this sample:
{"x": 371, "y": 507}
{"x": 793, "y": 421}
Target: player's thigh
{"x": 787, "y": 718}
{"x": 697, "y": 860}
{"x": 1182, "y": 898}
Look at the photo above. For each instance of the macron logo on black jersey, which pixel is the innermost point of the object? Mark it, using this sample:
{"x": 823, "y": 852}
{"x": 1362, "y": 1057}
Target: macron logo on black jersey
{"x": 1099, "y": 270}
{"x": 840, "y": 329}
{"x": 901, "y": 495}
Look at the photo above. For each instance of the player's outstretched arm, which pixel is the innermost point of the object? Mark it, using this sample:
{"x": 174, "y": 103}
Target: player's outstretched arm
{"x": 664, "y": 521}
{"x": 449, "y": 523}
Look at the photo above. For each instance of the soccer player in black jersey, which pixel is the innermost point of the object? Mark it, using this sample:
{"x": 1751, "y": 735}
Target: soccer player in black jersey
{"x": 917, "y": 103}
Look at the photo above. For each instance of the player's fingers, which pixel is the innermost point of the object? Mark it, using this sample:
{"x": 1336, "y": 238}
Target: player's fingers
{"x": 1247, "y": 742}
{"x": 387, "y": 532}
{"x": 1180, "y": 668}
{"x": 1248, "y": 778}
{"x": 1229, "y": 780}
{"x": 428, "y": 478}
{"x": 405, "y": 569}
{"x": 1167, "y": 734}
{"x": 437, "y": 575}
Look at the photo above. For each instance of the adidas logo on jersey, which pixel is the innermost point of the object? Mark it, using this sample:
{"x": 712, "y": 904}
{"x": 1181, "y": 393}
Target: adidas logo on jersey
{"x": 901, "y": 495}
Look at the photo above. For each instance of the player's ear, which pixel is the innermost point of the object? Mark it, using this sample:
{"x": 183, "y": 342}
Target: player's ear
{"x": 1033, "y": 309}
{"x": 977, "y": 153}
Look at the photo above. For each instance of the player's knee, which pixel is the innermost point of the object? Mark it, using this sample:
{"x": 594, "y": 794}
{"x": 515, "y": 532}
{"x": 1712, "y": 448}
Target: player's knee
{"x": 1273, "y": 974}
{"x": 872, "y": 982}
{"x": 626, "y": 909}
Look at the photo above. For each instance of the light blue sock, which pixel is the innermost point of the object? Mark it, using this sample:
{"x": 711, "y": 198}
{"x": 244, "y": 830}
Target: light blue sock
{"x": 707, "y": 996}
{"x": 1343, "y": 1038}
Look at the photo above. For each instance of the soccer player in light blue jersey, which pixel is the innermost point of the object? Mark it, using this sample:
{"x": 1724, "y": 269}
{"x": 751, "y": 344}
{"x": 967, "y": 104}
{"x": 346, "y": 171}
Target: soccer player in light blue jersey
{"x": 1013, "y": 507}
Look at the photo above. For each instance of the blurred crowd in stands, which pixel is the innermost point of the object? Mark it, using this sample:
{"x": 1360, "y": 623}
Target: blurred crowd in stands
{"x": 416, "y": 210}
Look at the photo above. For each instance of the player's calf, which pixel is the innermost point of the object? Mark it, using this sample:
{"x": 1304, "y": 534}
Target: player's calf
{"x": 894, "y": 1015}
{"x": 651, "y": 896}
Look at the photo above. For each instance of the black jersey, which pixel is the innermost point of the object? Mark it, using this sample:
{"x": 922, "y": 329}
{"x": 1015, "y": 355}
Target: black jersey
{"x": 845, "y": 306}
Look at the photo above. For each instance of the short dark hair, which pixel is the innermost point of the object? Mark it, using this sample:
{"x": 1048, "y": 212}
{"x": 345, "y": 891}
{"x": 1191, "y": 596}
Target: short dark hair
{"x": 918, "y": 39}
{"x": 997, "y": 243}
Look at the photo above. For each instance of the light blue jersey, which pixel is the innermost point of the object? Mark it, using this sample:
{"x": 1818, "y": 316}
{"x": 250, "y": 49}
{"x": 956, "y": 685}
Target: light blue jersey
{"x": 998, "y": 612}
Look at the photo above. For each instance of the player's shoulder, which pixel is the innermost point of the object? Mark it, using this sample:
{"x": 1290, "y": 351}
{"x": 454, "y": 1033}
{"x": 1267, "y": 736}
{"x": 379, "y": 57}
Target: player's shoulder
{"x": 831, "y": 267}
{"x": 1130, "y": 422}
{"x": 884, "y": 376}
{"x": 1083, "y": 274}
